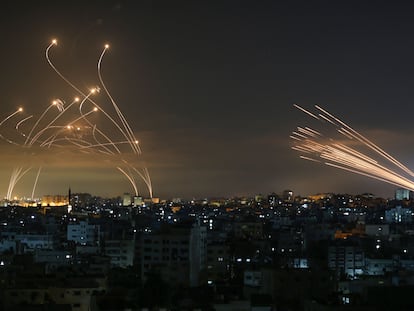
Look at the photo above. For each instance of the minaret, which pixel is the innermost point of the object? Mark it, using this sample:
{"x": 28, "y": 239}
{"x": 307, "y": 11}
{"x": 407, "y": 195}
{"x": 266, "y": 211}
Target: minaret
{"x": 69, "y": 201}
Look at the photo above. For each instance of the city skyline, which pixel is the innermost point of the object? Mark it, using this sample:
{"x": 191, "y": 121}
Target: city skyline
{"x": 209, "y": 89}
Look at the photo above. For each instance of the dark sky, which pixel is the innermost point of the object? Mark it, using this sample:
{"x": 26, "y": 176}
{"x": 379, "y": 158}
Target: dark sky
{"x": 209, "y": 86}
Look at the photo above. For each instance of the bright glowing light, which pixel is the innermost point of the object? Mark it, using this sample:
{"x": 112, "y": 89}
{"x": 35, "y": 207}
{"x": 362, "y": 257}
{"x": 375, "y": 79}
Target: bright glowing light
{"x": 50, "y": 129}
{"x": 350, "y": 152}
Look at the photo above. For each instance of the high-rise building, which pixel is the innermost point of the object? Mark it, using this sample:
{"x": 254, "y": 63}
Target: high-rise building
{"x": 83, "y": 233}
{"x": 398, "y": 214}
{"x": 120, "y": 252}
{"x": 272, "y": 199}
{"x": 402, "y": 194}
{"x": 349, "y": 260}
{"x": 127, "y": 199}
{"x": 138, "y": 201}
{"x": 288, "y": 195}
{"x": 81, "y": 200}
{"x": 176, "y": 252}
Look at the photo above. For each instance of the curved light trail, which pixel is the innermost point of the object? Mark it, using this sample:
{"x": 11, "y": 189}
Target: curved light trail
{"x": 70, "y": 127}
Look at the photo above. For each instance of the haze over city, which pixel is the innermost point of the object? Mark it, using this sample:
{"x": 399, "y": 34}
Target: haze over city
{"x": 208, "y": 90}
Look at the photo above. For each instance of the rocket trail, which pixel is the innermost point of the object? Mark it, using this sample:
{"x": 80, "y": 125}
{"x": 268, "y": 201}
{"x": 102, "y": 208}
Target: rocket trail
{"x": 35, "y": 183}
{"x": 338, "y": 154}
{"x": 132, "y": 181}
{"x": 70, "y": 127}
{"x": 48, "y": 126}
{"x": 80, "y": 92}
{"x": 17, "y": 174}
{"x": 22, "y": 121}
{"x": 37, "y": 122}
{"x": 306, "y": 111}
{"x": 367, "y": 142}
{"x": 120, "y": 115}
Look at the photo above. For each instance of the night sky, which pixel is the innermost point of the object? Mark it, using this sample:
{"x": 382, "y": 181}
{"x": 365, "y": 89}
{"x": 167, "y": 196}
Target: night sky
{"x": 209, "y": 86}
